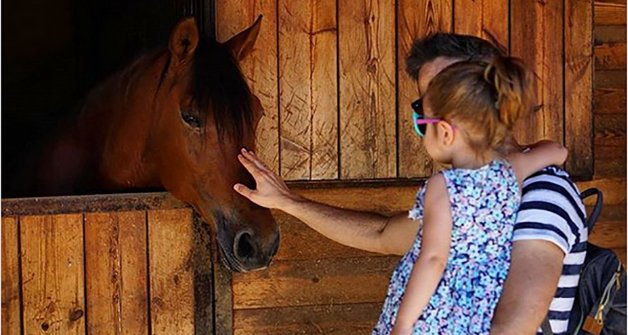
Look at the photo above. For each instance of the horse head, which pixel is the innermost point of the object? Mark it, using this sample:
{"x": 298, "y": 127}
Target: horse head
{"x": 204, "y": 112}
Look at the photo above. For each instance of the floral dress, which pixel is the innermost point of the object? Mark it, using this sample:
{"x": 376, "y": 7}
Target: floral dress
{"x": 483, "y": 203}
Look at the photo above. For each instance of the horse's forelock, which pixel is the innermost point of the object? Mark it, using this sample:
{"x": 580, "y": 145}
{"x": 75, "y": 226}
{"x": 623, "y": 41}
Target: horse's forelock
{"x": 220, "y": 89}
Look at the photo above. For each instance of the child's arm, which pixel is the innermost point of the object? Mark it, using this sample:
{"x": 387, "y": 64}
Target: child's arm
{"x": 429, "y": 267}
{"x": 541, "y": 154}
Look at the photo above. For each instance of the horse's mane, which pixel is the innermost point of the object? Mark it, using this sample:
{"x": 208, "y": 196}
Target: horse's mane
{"x": 220, "y": 89}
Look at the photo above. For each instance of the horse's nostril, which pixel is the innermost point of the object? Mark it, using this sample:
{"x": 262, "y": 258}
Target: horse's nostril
{"x": 244, "y": 247}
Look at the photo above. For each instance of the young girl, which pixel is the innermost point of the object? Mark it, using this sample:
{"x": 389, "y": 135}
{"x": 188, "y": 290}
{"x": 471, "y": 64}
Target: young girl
{"x": 451, "y": 279}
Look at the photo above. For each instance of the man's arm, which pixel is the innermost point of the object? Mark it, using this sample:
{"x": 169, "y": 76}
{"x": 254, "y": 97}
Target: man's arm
{"x": 530, "y": 287}
{"x": 362, "y": 230}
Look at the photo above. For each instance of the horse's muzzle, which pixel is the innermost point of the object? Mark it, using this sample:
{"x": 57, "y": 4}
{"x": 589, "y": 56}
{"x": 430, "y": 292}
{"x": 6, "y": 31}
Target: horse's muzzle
{"x": 246, "y": 250}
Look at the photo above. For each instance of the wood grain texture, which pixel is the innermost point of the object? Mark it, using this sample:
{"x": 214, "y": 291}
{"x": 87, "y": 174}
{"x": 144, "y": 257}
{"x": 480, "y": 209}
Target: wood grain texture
{"x": 415, "y": 19}
{"x": 319, "y": 319}
{"x": 536, "y": 31}
{"x": 299, "y": 242}
{"x": 315, "y": 282}
{"x": 495, "y": 23}
{"x": 52, "y": 274}
{"x": 610, "y": 229}
{"x": 610, "y": 162}
{"x": 116, "y": 265}
{"x": 610, "y": 56}
{"x": 610, "y": 13}
{"x": 609, "y": 34}
{"x": 388, "y": 200}
{"x": 170, "y": 240}
{"x": 11, "y": 295}
{"x": 259, "y": 67}
{"x": 579, "y": 87}
{"x": 483, "y": 18}
{"x": 614, "y": 79}
{"x": 308, "y": 85}
{"x": 614, "y": 190}
{"x": 610, "y": 130}
{"x": 223, "y": 291}
{"x": 367, "y": 89}
{"x": 468, "y": 18}
{"x": 609, "y": 101}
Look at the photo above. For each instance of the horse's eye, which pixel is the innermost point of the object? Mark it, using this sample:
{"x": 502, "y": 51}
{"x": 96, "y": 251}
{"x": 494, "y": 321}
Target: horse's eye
{"x": 190, "y": 118}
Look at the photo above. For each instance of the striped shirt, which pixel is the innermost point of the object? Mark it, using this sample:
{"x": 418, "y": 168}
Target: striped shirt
{"x": 551, "y": 210}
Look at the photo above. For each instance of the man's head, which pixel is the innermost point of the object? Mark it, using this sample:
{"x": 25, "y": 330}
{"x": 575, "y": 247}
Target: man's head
{"x": 432, "y": 54}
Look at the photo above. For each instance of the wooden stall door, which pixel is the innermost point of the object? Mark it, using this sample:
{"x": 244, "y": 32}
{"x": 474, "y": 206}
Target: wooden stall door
{"x": 112, "y": 270}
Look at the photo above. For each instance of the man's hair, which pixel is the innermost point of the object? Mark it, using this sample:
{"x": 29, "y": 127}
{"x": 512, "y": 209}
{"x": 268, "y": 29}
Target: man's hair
{"x": 465, "y": 47}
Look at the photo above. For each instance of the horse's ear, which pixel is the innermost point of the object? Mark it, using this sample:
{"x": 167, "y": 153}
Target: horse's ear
{"x": 184, "y": 40}
{"x": 242, "y": 43}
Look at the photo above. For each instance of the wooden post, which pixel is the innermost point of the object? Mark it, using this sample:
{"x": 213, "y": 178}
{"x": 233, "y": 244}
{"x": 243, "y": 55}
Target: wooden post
{"x": 11, "y": 298}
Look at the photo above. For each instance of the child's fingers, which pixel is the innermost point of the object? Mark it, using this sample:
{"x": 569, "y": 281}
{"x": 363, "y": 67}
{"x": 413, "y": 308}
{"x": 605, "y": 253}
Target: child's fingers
{"x": 243, "y": 190}
{"x": 250, "y": 166}
{"x": 253, "y": 158}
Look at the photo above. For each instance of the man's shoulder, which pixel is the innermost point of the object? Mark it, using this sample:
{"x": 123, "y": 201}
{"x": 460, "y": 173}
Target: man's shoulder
{"x": 553, "y": 179}
{"x": 551, "y": 171}
{"x": 551, "y": 209}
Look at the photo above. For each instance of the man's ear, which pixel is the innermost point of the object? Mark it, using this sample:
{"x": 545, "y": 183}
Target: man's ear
{"x": 446, "y": 134}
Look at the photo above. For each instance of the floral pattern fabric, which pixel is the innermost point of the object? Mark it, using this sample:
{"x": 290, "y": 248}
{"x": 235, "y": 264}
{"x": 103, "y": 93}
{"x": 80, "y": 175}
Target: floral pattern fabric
{"x": 483, "y": 204}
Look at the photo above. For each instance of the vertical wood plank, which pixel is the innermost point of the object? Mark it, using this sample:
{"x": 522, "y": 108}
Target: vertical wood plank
{"x": 259, "y": 67}
{"x": 495, "y": 23}
{"x": 468, "y": 17}
{"x": 224, "y": 320}
{"x": 308, "y": 87}
{"x": 537, "y": 35}
{"x": 367, "y": 89}
{"x": 553, "y": 73}
{"x": 11, "y": 322}
{"x": 52, "y": 274}
{"x": 483, "y": 18}
{"x": 170, "y": 240}
{"x": 579, "y": 87}
{"x": 415, "y": 19}
{"x": 115, "y": 252}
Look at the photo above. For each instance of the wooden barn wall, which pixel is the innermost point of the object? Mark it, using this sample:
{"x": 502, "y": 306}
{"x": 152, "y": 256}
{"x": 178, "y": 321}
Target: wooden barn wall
{"x": 316, "y": 286}
{"x": 331, "y": 76}
{"x": 138, "y": 264}
{"x": 120, "y": 270}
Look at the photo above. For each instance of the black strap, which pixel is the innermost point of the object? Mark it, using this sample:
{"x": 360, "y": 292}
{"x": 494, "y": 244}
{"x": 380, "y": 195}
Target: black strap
{"x": 546, "y": 327}
{"x": 597, "y": 208}
{"x": 591, "y": 219}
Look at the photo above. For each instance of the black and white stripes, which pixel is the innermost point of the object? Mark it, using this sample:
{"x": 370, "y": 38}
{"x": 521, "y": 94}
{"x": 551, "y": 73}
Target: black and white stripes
{"x": 551, "y": 210}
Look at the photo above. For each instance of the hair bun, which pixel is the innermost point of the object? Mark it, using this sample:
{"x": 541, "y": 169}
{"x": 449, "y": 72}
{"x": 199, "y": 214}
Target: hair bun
{"x": 513, "y": 89}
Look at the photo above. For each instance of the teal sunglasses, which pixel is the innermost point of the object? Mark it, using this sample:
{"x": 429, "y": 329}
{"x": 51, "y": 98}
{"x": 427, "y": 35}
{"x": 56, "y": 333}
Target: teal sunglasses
{"x": 418, "y": 118}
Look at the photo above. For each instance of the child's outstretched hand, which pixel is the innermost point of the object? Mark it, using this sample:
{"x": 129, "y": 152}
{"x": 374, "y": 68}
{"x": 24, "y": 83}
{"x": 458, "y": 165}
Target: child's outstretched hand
{"x": 271, "y": 191}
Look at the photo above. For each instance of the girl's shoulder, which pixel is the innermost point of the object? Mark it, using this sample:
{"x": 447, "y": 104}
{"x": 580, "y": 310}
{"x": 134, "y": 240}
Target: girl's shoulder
{"x": 436, "y": 185}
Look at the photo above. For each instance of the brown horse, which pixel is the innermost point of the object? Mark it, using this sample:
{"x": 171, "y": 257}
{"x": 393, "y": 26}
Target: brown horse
{"x": 174, "y": 119}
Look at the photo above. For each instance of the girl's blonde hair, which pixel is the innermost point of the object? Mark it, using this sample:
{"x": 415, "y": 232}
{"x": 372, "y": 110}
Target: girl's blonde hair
{"x": 486, "y": 100}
